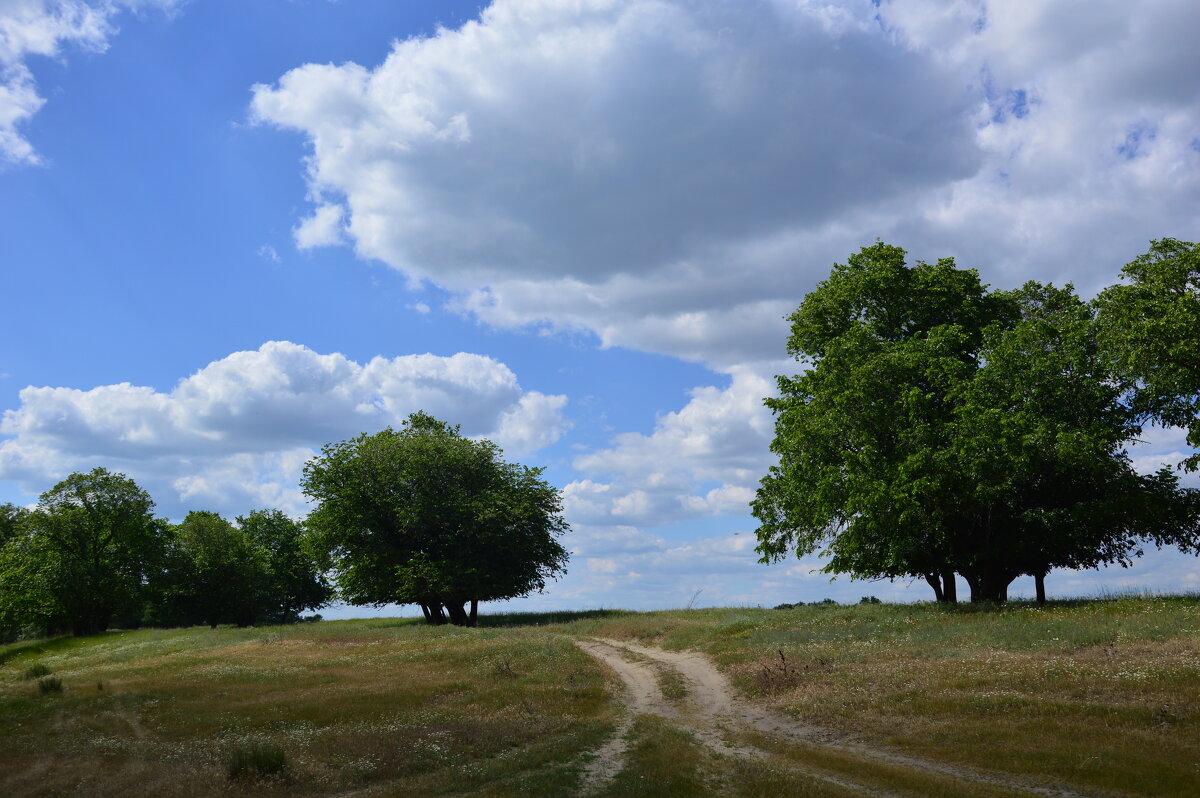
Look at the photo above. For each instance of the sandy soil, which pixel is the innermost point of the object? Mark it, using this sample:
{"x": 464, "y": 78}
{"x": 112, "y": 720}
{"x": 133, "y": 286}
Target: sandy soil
{"x": 712, "y": 706}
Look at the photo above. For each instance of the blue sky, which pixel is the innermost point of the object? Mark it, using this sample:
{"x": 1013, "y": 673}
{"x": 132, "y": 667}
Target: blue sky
{"x": 231, "y": 232}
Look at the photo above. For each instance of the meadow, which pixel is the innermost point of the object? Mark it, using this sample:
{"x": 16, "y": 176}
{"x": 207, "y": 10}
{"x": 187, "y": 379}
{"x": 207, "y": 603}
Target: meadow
{"x": 1097, "y": 697}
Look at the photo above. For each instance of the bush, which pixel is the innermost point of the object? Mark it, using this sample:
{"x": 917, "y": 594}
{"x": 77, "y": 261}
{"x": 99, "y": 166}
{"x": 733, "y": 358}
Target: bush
{"x": 869, "y": 600}
{"x": 825, "y": 602}
{"x": 37, "y": 671}
{"x": 257, "y": 761}
{"x": 50, "y": 684}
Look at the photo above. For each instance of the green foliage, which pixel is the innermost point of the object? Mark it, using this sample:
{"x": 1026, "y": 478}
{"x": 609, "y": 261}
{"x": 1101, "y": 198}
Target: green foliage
{"x": 425, "y": 516}
{"x": 83, "y": 555}
{"x": 942, "y": 427}
{"x": 1150, "y": 329}
{"x": 250, "y": 761}
{"x": 11, "y": 517}
{"x": 25, "y": 597}
{"x": 222, "y": 573}
{"x": 291, "y": 582}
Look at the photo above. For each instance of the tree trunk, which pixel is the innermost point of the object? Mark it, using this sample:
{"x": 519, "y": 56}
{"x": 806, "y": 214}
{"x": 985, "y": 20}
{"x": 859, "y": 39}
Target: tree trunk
{"x": 474, "y": 613}
{"x": 458, "y": 615}
{"x": 428, "y": 615}
{"x": 989, "y": 586}
{"x": 972, "y": 585}
{"x": 935, "y": 582}
{"x": 949, "y": 586}
{"x": 1039, "y": 581}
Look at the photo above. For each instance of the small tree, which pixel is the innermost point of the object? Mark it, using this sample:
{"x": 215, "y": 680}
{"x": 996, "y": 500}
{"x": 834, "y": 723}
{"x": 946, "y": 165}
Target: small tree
{"x": 25, "y": 598}
{"x": 221, "y": 575}
{"x": 292, "y": 582}
{"x": 88, "y": 546}
{"x": 424, "y": 516}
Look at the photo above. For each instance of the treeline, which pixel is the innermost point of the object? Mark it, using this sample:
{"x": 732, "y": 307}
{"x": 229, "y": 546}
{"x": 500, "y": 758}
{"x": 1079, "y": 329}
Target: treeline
{"x": 92, "y": 555}
{"x": 419, "y": 515}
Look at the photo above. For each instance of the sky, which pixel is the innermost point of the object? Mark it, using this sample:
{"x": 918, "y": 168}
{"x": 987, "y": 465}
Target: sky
{"x": 233, "y": 232}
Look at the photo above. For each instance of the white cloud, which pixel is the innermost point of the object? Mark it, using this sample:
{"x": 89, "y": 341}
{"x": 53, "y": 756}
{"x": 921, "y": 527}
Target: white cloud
{"x": 674, "y": 175}
{"x": 44, "y": 28}
{"x": 704, "y": 460}
{"x": 603, "y": 164}
{"x": 322, "y": 229}
{"x": 238, "y": 431}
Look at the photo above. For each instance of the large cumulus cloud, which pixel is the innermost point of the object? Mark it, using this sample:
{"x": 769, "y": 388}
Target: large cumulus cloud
{"x": 618, "y": 153}
{"x": 674, "y": 174}
{"x": 236, "y": 434}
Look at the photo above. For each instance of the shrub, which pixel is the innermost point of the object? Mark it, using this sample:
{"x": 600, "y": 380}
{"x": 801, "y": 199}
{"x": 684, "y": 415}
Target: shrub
{"x": 37, "y": 671}
{"x": 257, "y": 761}
{"x": 869, "y": 600}
{"x": 50, "y": 684}
{"x": 823, "y": 602}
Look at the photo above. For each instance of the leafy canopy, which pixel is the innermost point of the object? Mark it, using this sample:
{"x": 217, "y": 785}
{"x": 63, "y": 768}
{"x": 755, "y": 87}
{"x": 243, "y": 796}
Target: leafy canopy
{"x": 941, "y": 427}
{"x": 1150, "y": 329}
{"x": 87, "y": 549}
{"x": 423, "y": 515}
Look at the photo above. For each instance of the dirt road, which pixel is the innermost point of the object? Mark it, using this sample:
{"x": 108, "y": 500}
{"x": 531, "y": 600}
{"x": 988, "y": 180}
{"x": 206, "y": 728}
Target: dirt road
{"x": 711, "y": 709}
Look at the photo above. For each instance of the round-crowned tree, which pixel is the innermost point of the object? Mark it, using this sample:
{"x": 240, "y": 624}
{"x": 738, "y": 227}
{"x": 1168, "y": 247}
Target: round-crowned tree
{"x": 86, "y": 552}
{"x": 944, "y": 428}
{"x": 423, "y": 515}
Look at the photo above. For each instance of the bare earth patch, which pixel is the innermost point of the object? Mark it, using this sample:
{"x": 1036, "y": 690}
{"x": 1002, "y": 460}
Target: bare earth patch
{"x": 712, "y": 713}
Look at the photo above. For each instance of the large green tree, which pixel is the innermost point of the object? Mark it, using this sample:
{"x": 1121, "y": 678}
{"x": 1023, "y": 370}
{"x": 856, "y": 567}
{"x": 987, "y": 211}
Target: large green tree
{"x": 423, "y": 515}
{"x": 942, "y": 428}
{"x": 1150, "y": 329}
{"x": 86, "y": 549}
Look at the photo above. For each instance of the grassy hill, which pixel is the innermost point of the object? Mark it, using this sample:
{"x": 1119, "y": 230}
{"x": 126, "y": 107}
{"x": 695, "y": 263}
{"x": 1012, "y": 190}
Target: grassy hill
{"x": 1101, "y": 696}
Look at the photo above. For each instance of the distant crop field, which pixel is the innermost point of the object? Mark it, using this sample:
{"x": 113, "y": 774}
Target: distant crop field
{"x": 1075, "y": 698}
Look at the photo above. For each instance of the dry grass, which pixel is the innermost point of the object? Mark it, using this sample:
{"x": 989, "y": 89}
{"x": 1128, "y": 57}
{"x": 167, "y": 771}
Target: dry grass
{"x": 1103, "y": 695}
{"x": 1100, "y": 695}
{"x": 410, "y": 709}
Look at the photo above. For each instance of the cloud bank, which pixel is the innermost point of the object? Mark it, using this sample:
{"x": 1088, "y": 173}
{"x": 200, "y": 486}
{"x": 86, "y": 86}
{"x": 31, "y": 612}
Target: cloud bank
{"x": 674, "y": 175}
{"x": 236, "y": 434}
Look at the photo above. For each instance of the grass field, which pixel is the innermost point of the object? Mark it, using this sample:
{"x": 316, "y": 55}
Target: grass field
{"x": 1103, "y": 696}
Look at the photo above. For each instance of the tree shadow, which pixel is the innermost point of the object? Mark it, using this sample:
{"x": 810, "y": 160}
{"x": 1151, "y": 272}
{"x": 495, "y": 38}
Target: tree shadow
{"x": 45, "y": 645}
{"x": 546, "y": 618}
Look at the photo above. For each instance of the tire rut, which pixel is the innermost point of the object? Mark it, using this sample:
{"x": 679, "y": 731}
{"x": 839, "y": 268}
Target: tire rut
{"x": 712, "y": 704}
{"x": 702, "y": 718}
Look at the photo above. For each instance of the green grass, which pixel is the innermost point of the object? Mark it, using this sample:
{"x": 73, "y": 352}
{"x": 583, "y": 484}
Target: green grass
{"x": 1102, "y": 695}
